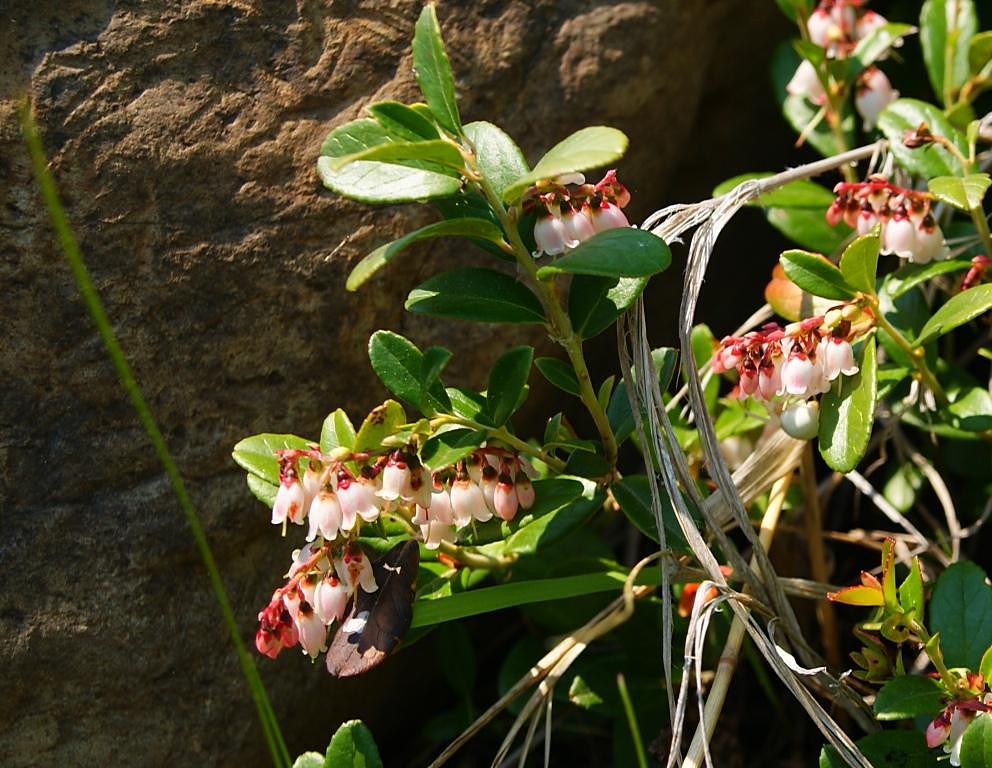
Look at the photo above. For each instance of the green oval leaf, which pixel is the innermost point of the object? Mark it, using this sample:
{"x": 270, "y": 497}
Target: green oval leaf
{"x": 559, "y": 373}
{"x": 958, "y": 310}
{"x": 506, "y": 384}
{"x": 433, "y": 71}
{"x": 462, "y": 227}
{"x": 859, "y": 263}
{"x": 309, "y": 760}
{"x": 816, "y": 275}
{"x": 909, "y": 275}
{"x": 550, "y": 527}
{"x": 472, "y": 293}
{"x": 964, "y": 193}
{"x": 337, "y": 432}
{"x": 961, "y": 611}
{"x": 498, "y": 156}
{"x": 382, "y": 421}
{"x": 930, "y": 160}
{"x": 444, "y": 449}
{"x": 847, "y": 415}
{"x": 373, "y": 182}
{"x": 808, "y": 228}
{"x": 888, "y": 749}
{"x": 908, "y": 696}
{"x": 593, "y": 147}
{"x": 402, "y": 122}
{"x": 980, "y": 52}
{"x": 976, "y": 745}
{"x": 352, "y": 746}
{"x": 616, "y": 253}
{"x": 876, "y": 44}
{"x": 399, "y": 365}
{"x": 257, "y": 454}
{"x": 595, "y": 303}
{"x": 434, "y": 151}
{"x": 938, "y": 38}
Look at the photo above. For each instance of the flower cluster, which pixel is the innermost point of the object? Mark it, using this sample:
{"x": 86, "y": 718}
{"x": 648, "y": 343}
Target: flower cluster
{"x": 319, "y": 585}
{"x": 837, "y": 26}
{"x": 798, "y": 361}
{"x": 909, "y": 229}
{"x": 949, "y": 726}
{"x": 570, "y": 211}
{"x": 490, "y": 481}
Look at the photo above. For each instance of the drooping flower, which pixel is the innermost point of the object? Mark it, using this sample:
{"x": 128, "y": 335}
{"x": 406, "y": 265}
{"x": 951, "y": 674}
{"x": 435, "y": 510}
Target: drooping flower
{"x": 354, "y": 569}
{"x": 290, "y": 503}
{"x": 330, "y": 598}
{"x": 806, "y": 83}
{"x": 874, "y": 93}
{"x": 325, "y": 515}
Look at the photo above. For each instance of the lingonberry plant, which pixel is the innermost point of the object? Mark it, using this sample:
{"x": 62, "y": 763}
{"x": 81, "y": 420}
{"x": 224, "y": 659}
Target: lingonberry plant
{"x": 439, "y": 506}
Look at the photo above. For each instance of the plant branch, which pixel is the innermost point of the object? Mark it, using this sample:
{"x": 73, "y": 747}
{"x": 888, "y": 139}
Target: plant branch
{"x": 504, "y": 436}
{"x": 915, "y": 354}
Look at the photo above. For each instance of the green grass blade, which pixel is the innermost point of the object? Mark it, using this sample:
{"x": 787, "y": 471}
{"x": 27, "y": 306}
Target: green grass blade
{"x": 70, "y": 247}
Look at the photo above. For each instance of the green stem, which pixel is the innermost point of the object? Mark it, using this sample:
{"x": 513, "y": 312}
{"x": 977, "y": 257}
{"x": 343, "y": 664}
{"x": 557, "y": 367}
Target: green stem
{"x": 70, "y": 247}
{"x": 558, "y": 321}
{"x": 982, "y": 227}
{"x": 915, "y": 354}
{"x": 933, "y": 652}
{"x": 834, "y": 119}
{"x": 635, "y": 731}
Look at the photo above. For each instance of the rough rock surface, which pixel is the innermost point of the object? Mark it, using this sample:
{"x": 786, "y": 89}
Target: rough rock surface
{"x": 183, "y": 136}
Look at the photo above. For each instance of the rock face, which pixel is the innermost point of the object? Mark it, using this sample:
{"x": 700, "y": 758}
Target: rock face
{"x": 184, "y": 136}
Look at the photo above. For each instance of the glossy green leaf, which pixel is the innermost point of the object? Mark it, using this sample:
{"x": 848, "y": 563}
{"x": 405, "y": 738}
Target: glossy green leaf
{"x": 814, "y": 274}
{"x": 938, "y": 37}
{"x": 372, "y": 182}
{"x": 808, "y": 228}
{"x": 847, "y": 416}
{"x": 257, "y": 454}
{"x": 615, "y": 253}
{"x": 337, "y": 432}
{"x": 958, "y": 310}
{"x": 433, "y": 71}
{"x": 911, "y": 591}
{"x": 463, "y": 227}
{"x": 593, "y": 147}
{"x": 985, "y": 666}
{"x": 262, "y": 490}
{"x": 961, "y": 611}
{"x": 466, "y": 403}
{"x": 353, "y": 746}
{"x": 402, "y": 122}
{"x": 888, "y": 749}
{"x": 980, "y": 53}
{"x": 431, "y": 365}
{"x": 309, "y": 760}
{"x": 399, "y": 365}
{"x": 794, "y": 9}
{"x": 929, "y": 160}
{"x": 976, "y": 745}
{"x": 595, "y": 303}
{"x": 548, "y": 528}
{"x": 506, "y": 384}
{"x": 876, "y": 44}
{"x": 473, "y": 293}
{"x": 633, "y": 494}
{"x": 382, "y": 421}
{"x": 355, "y": 136}
{"x": 664, "y": 361}
{"x": 444, "y": 449}
{"x": 908, "y": 696}
{"x": 963, "y": 193}
{"x": 971, "y": 409}
{"x": 559, "y": 373}
{"x": 498, "y": 156}
{"x": 802, "y": 193}
{"x": 437, "y": 151}
{"x": 909, "y": 275}
{"x": 859, "y": 594}
{"x": 859, "y": 263}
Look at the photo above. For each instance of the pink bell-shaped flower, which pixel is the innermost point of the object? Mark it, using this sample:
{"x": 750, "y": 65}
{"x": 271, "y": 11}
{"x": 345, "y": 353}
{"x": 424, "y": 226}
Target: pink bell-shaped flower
{"x": 551, "y": 236}
{"x": 899, "y": 236}
{"x": 487, "y": 485}
{"x": 868, "y": 23}
{"x": 525, "y": 491}
{"x": 325, "y": 515}
{"x": 874, "y": 94}
{"x": 395, "y": 478}
{"x": 467, "y": 502}
{"x": 330, "y": 598}
{"x": 505, "y": 497}
{"x": 930, "y": 243}
{"x": 806, "y": 83}
{"x": 838, "y": 358}
{"x": 290, "y": 503}
{"x": 770, "y": 377}
{"x": 608, "y": 216}
{"x": 578, "y": 225}
{"x": 354, "y": 570}
{"x": 866, "y": 220}
{"x": 312, "y": 631}
{"x": 820, "y": 25}
{"x": 797, "y": 374}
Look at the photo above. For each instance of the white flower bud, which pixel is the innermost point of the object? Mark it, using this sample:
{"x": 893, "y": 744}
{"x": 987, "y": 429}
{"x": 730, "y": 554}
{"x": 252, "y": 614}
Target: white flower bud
{"x": 873, "y": 95}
